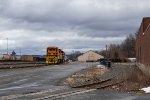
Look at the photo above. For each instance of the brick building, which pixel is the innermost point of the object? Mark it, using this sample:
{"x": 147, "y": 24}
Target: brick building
{"x": 143, "y": 46}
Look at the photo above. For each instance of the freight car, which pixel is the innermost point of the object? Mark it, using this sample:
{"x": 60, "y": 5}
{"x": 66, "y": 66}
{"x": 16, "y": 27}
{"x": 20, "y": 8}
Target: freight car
{"x": 27, "y": 58}
{"x": 9, "y": 57}
{"x": 54, "y": 55}
{"x": 61, "y": 55}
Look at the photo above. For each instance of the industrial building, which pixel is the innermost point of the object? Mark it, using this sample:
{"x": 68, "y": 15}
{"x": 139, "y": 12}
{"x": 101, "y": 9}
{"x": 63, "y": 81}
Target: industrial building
{"x": 143, "y": 46}
{"x": 89, "y": 56}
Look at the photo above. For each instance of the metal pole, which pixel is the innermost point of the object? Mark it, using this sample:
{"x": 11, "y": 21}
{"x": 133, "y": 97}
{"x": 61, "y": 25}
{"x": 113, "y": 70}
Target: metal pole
{"x": 106, "y": 52}
{"x": 7, "y": 45}
{"x": 20, "y": 51}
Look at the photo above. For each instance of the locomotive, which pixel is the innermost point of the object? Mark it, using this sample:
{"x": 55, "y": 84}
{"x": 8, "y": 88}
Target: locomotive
{"x": 54, "y": 55}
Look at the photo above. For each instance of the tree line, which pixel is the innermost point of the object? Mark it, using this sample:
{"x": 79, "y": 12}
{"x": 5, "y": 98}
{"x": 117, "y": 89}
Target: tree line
{"x": 114, "y": 52}
{"x": 120, "y": 52}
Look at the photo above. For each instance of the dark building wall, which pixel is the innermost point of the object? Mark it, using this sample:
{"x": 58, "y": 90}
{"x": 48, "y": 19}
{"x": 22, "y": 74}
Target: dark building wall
{"x": 145, "y": 50}
{"x": 143, "y": 43}
{"x": 143, "y": 46}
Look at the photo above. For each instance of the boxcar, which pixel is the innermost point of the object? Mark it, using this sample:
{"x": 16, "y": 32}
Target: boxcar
{"x": 27, "y": 58}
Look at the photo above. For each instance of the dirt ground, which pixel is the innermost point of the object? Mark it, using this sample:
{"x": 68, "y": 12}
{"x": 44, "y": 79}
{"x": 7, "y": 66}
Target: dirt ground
{"x": 121, "y": 77}
{"x": 85, "y": 76}
{"x": 133, "y": 83}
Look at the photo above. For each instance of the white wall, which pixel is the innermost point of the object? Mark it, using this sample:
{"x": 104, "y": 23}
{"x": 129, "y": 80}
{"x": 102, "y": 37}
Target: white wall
{"x": 89, "y": 56}
{"x": 1, "y": 56}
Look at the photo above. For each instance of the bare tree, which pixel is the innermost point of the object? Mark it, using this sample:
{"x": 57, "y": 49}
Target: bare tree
{"x": 120, "y": 52}
{"x": 74, "y": 55}
{"x": 128, "y": 46}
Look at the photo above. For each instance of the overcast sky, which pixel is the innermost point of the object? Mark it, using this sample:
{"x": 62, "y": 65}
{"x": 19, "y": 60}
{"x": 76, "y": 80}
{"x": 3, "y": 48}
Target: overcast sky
{"x": 79, "y": 25}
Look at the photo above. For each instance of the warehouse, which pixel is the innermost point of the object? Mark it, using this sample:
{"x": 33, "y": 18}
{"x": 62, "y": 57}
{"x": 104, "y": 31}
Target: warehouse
{"x": 143, "y": 46}
{"x": 89, "y": 56}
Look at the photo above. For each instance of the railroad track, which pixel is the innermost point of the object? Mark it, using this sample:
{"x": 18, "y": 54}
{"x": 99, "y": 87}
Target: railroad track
{"x": 65, "y": 94}
{"x": 47, "y": 94}
{"x": 9, "y": 97}
{"x": 20, "y": 65}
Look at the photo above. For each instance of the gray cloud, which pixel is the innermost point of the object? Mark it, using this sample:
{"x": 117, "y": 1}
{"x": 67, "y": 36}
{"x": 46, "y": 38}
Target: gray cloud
{"x": 70, "y": 24}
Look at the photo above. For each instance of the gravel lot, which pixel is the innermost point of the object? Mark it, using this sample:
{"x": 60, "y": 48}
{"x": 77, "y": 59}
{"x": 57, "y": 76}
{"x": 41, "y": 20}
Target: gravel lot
{"x": 121, "y": 77}
{"x": 47, "y": 81}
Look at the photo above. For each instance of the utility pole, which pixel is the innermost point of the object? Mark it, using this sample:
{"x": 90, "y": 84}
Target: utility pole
{"x": 7, "y": 45}
{"x": 106, "y": 52}
{"x": 20, "y": 51}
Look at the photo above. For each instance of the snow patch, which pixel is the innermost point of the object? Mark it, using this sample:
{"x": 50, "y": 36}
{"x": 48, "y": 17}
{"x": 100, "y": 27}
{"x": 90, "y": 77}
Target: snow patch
{"x": 146, "y": 90}
{"x": 101, "y": 66}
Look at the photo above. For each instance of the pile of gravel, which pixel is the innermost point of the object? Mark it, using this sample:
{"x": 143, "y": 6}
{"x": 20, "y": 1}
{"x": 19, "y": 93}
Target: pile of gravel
{"x": 86, "y": 76}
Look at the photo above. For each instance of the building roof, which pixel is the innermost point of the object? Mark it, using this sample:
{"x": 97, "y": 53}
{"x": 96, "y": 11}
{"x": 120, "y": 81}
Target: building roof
{"x": 145, "y": 24}
{"x": 90, "y": 51}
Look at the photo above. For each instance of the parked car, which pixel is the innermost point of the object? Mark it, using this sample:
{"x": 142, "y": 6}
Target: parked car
{"x": 105, "y": 62}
